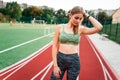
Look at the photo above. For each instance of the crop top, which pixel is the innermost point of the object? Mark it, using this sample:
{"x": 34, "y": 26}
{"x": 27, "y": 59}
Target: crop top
{"x": 68, "y": 38}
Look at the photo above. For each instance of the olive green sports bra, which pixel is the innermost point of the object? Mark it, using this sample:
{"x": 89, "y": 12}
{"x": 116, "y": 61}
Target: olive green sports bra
{"x": 68, "y": 38}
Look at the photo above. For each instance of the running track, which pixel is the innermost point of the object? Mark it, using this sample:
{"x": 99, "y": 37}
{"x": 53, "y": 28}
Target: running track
{"x": 39, "y": 66}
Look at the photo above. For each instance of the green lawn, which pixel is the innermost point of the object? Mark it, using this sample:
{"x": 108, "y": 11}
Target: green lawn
{"x": 16, "y": 34}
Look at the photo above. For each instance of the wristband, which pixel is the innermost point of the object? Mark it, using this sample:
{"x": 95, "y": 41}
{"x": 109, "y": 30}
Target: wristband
{"x": 88, "y": 17}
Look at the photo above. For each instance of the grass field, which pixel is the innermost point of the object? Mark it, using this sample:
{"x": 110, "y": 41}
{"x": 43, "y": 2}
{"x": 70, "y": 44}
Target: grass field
{"x": 17, "y": 41}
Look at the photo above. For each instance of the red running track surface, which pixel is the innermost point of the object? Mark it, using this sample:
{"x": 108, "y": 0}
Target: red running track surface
{"x": 93, "y": 65}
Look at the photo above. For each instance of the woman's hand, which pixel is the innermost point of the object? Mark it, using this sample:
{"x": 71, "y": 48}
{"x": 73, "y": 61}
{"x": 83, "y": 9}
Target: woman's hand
{"x": 57, "y": 71}
{"x": 85, "y": 14}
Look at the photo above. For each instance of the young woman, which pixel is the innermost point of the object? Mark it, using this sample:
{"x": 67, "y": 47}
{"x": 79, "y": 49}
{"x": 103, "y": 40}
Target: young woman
{"x": 66, "y": 44}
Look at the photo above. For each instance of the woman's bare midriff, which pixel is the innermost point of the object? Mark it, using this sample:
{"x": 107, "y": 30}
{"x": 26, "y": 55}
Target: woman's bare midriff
{"x": 68, "y": 48}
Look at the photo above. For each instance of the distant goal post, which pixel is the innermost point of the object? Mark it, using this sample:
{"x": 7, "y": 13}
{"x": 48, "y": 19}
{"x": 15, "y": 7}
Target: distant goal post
{"x": 38, "y": 21}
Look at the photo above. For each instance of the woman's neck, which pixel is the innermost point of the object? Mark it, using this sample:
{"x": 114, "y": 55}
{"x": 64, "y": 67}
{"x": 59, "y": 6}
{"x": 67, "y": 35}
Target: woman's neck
{"x": 70, "y": 25}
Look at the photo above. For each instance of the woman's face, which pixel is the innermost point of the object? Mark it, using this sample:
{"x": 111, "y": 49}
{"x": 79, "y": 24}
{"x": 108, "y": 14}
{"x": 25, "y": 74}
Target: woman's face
{"x": 76, "y": 19}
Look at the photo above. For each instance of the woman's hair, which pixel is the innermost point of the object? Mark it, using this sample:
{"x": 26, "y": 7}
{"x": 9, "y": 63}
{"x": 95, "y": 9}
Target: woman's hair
{"x": 76, "y": 10}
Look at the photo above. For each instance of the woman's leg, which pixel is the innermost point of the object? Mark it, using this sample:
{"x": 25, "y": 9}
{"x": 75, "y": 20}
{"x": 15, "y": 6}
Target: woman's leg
{"x": 61, "y": 64}
{"x": 73, "y": 67}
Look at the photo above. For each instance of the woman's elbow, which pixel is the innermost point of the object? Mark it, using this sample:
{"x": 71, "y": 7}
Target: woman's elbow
{"x": 54, "y": 46}
{"x": 100, "y": 28}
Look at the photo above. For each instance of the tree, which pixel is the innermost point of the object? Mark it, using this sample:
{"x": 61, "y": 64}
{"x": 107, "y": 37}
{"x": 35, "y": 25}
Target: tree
{"x": 3, "y": 11}
{"x": 109, "y": 19}
{"x": 13, "y": 10}
{"x": 102, "y": 17}
{"x": 27, "y": 12}
{"x": 31, "y": 12}
{"x": 61, "y": 16}
{"x": 2, "y": 18}
{"x": 36, "y": 12}
{"x": 48, "y": 15}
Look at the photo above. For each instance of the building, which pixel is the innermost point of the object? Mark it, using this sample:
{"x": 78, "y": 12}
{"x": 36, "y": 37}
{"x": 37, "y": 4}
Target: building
{"x": 116, "y": 16}
{"x": 2, "y": 4}
{"x": 23, "y": 6}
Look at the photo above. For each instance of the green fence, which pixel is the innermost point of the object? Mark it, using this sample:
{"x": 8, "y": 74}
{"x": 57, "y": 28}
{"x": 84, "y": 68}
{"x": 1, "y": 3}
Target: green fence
{"x": 113, "y": 30}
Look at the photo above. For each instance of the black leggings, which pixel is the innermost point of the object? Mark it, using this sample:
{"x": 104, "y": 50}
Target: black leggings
{"x": 69, "y": 63}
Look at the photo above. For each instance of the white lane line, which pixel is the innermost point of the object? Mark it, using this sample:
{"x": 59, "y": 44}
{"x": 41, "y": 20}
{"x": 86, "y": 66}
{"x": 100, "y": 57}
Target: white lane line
{"x": 106, "y": 71}
{"x": 11, "y": 69}
{"x": 42, "y": 70}
{"x": 46, "y": 71}
{"x": 18, "y": 64}
{"x": 110, "y": 78}
{"x": 24, "y": 43}
{"x": 77, "y": 78}
{"x": 15, "y": 71}
{"x": 102, "y": 65}
{"x": 21, "y": 66}
{"x": 25, "y": 58}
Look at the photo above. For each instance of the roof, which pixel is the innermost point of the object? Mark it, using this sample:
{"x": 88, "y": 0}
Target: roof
{"x": 115, "y": 11}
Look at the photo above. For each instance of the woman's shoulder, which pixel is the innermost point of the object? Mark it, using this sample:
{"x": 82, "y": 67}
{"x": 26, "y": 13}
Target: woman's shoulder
{"x": 81, "y": 26}
{"x": 60, "y": 26}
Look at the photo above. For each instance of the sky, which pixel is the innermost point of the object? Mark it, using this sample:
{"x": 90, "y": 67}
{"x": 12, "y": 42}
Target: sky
{"x": 68, "y": 4}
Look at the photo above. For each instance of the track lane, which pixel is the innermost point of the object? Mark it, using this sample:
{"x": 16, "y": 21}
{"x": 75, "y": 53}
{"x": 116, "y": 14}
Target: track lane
{"x": 90, "y": 65}
{"x": 111, "y": 73}
{"x": 5, "y": 72}
{"x": 31, "y": 68}
{"x": 91, "y": 68}
{"x": 11, "y": 67}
